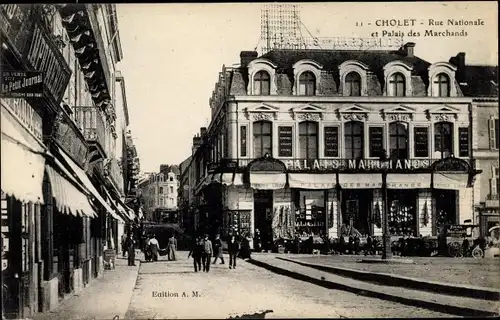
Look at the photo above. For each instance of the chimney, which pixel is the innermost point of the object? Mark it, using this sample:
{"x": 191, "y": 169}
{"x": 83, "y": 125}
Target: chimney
{"x": 203, "y": 131}
{"x": 409, "y": 49}
{"x": 246, "y": 57}
{"x": 196, "y": 143}
{"x": 459, "y": 62}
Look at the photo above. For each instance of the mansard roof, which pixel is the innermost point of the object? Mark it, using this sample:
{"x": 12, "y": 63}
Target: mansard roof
{"x": 332, "y": 59}
{"x": 480, "y": 81}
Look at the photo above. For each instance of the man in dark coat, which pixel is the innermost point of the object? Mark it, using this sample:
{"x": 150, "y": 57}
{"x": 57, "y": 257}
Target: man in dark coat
{"x": 218, "y": 249}
{"x": 197, "y": 252}
{"x": 130, "y": 245}
{"x": 233, "y": 248}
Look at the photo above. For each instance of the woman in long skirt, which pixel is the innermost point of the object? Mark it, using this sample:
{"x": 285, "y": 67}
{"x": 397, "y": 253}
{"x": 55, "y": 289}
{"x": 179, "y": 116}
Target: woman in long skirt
{"x": 172, "y": 248}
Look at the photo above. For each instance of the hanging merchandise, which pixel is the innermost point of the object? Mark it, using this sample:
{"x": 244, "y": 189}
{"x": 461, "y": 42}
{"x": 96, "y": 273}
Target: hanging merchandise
{"x": 377, "y": 214}
{"x": 425, "y": 214}
{"x": 275, "y": 223}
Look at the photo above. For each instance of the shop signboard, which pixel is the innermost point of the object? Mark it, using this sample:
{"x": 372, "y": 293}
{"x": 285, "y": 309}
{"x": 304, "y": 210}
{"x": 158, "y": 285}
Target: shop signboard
{"x": 35, "y": 48}
{"x": 331, "y": 141}
{"x": 463, "y": 136}
{"x": 356, "y": 164}
{"x": 65, "y": 133}
{"x": 21, "y": 84}
{"x": 285, "y": 138}
{"x": 29, "y": 118}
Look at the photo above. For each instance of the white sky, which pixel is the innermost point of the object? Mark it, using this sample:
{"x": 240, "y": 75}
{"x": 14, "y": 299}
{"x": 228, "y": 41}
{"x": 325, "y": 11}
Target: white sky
{"x": 173, "y": 53}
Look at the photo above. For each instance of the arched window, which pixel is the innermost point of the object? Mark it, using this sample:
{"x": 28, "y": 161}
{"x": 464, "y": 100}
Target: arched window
{"x": 308, "y": 139}
{"x": 262, "y": 138}
{"x": 262, "y": 83}
{"x": 398, "y": 144}
{"x": 161, "y": 190}
{"x": 354, "y": 138}
{"x": 443, "y": 138}
{"x": 353, "y": 84}
{"x": 397, "y": 85}
{"x": 307, "y": 84}
{"x": 441, "y": 83}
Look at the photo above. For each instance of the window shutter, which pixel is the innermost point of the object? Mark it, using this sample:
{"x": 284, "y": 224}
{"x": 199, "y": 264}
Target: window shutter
{"x": 493, "y": 182}
{"x": 491, "y": 126}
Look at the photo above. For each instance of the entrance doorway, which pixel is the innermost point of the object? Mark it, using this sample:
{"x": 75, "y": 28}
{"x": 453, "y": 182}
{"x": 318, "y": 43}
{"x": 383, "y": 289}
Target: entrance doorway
{"x": 263, "y": 212}
{"x": 446, "y": 207}
{"x": 356, "y": 211}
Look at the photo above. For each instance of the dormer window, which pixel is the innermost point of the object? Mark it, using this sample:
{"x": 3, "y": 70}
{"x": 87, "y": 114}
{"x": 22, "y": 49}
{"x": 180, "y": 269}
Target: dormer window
{"x": 262, "y": 83}
{"x": 353, "y": 84}
{"x": 262, "y": 77}
{"x": 307, "y": 84}
{"x": 397, "y": 85}
{"x": 441, "y": 83}
{"x": 353, "y": 78}
{"x": 442, "y": 80}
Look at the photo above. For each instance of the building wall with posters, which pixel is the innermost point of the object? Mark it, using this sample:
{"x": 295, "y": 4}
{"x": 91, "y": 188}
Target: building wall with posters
{"x": 300, "y": 141}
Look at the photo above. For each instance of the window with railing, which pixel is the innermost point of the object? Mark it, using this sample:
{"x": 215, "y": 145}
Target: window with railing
{"x": 398, "y": 135}
{"x": 354, "y": 139}
{"x": 443, "y": 138}
{"x": 262, "y": 138}
{"x": 308, "y": 139}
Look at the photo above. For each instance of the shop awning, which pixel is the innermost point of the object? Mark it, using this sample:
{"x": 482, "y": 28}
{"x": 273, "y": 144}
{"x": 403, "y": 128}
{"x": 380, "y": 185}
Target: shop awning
{"x": 409, "y": 181}
{"x": 312, "y": 180}
{"x": 227, "y": 178}
{"x": 22, "y": 167}
{"x": 267, "y": 180}
{"x": 116, "y": 213}
{"x": 82, "y": 176}
{"x": 68, "y": 198}
{"x": 450, "y": 181}
{"x": 360, "y": 180}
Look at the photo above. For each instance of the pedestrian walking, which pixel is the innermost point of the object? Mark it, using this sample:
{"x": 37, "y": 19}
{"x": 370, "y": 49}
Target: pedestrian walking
{"x": 196, "y": 252}
{"x": 124, "y": 248}
{"x": 172, "y": 248}
{"x": 207, "y": 253}
{"x": 218, "y": 249}
{"x": 130, "y": 245}
{"x": 154, "y": 246}
{"x": 233, "y": 248}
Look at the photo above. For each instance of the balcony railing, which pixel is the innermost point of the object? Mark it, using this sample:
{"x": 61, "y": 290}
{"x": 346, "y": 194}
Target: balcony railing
{"x": 90, "y": 121}
{"x": 302, "y": 164}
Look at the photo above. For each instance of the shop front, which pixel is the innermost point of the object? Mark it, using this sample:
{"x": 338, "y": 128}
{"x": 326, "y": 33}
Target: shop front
{"x": 22, "y": 174}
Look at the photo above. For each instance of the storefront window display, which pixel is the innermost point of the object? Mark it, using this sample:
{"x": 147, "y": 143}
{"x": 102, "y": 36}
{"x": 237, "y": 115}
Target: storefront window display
{"x": 402, "y": 213}
{"x": 310, "y": 213}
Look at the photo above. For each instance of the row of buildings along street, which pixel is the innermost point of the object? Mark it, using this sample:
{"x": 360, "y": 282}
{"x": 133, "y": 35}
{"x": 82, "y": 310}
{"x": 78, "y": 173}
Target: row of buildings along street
{"x": 305, "y": 142}
{"x": 69, "y": 165}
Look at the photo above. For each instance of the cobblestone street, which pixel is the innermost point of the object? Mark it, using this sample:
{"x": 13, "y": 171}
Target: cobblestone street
{"x": 225, "y": 293}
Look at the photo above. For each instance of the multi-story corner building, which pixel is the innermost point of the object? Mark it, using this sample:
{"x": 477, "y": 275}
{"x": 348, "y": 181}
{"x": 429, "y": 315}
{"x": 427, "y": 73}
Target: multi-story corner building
{"x": 304, "y": 142}
{"x": 160, "y": 197}
{"x": 481, "y": 83}
{"x": 62, "y": 187}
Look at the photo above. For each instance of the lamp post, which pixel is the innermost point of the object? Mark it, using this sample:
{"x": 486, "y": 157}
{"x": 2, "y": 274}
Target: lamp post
{"x": 386, "y": 237}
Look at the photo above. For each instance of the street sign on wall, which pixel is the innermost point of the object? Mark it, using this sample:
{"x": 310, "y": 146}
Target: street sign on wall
{"x": 21, "y": 84}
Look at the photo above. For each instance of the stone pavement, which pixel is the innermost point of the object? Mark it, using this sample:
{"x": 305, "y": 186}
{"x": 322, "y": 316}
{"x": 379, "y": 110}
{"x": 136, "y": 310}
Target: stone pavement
{"x": 106, "y": 297}
{"x": 172, "y": 290}
{"x": 462, "y": 271}
{"x": 459, "y": 306}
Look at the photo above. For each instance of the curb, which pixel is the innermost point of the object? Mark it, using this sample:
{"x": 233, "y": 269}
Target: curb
{"x": 400, "y": 281}
{"x": 434, "y": 306}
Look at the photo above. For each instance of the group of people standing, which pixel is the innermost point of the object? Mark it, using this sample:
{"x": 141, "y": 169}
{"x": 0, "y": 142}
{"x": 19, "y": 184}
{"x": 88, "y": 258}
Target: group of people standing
{"x": 152, "y": 249}
{"x": 203, "y": 250}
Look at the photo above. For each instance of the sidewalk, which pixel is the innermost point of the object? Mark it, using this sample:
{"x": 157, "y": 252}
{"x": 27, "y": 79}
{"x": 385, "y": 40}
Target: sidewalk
{"x": 460, "y": 306}
{"x": 106, "y": 298}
